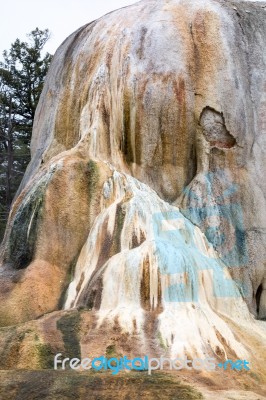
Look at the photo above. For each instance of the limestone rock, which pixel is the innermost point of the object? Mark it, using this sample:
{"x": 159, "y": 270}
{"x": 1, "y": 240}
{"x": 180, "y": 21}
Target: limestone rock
{"x": 144, "y": 199}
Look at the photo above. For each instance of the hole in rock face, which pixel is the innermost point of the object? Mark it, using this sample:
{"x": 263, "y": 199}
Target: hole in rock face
{"x": 258, "y": 296}
{"x": 214, "y": 129}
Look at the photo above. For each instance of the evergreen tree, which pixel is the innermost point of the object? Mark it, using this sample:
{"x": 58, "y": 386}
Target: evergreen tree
{"x": 22, "y": 75}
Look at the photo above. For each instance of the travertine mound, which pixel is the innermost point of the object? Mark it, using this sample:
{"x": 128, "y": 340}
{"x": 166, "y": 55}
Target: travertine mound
{"x": 144, "y": 200}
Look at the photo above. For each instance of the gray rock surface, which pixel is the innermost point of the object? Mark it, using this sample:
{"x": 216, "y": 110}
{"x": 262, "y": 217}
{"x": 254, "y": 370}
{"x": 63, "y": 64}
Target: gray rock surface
{"x": 174, "y": 93}
{"x": 152, "y": 107}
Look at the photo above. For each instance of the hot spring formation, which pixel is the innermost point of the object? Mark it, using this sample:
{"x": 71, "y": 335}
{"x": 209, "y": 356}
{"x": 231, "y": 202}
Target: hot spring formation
{"x": 144, "y": 201}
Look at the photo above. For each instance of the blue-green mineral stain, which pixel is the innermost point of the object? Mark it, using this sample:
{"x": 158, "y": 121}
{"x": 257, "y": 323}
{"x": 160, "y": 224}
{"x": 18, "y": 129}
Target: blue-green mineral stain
{"x": 177, "y": 253}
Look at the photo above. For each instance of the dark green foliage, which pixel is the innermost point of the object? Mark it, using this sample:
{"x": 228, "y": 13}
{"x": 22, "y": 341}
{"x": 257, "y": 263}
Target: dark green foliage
{"x": 45, "y": 355}
{"x": 22, "y": 75}
{"x": 24, "y": 230}
{"x": 69, "y": 326}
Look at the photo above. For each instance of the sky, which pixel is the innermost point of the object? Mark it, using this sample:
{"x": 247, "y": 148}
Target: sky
{"x": 61, "y": 17}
